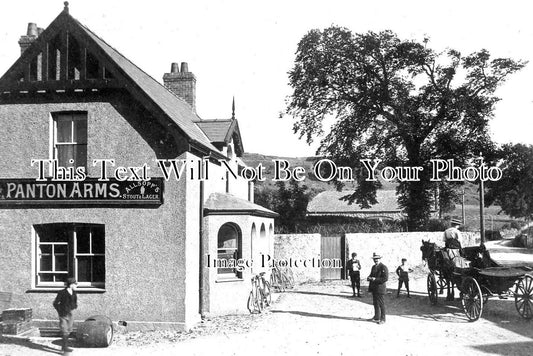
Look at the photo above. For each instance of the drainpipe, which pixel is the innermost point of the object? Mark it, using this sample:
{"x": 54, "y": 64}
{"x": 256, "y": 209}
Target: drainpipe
{"x": 202, "y": 273}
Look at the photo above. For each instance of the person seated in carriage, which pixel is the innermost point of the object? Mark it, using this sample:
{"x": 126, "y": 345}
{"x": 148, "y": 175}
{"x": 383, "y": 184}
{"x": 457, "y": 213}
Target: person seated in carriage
{"x": 452, "y": 244}
{"x": 452, "y": 236}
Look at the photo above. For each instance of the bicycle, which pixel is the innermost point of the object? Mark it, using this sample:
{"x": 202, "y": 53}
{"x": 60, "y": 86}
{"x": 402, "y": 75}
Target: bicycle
{"x": 260, "y": 295}
{"x": 276, "y": 279}
{"x": 290, "y": 277}
{"x": 265, "y": 288}
{"x": 282, "y": 279}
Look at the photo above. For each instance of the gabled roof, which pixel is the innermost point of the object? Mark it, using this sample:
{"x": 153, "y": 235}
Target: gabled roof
{"x": 332, "y": 203}
{"x": 140, "y": 85}
{"x": 227, "y": 204}
{"x": 222, "y": 131}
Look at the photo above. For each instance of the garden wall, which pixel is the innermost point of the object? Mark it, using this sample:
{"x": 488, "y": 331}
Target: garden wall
{"x": 397, "y": 245}
{"x": 299, "y": 246}
{"x": 392, "y": 246}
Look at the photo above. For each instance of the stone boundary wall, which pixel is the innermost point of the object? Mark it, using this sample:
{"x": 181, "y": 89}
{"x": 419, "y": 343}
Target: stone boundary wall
{"x": 299, "y": 246}
{"x": 392, "y": 246}
{"x": 397, "y": 245}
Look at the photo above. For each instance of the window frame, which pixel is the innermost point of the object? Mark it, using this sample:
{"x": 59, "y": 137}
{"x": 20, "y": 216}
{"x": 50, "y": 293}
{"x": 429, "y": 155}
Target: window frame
{"x": 238, "y": 252}
{"x": 73, "y": 231}
{"x": 72, "y": 116}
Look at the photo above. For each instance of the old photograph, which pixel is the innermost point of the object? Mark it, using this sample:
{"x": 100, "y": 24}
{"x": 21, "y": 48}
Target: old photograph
{"x": 229, "y": 177}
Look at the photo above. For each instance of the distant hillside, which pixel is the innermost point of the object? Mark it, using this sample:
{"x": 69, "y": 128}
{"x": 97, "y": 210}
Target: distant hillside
{"x": 493, "y": 215}
{"x": 253, "y": 159}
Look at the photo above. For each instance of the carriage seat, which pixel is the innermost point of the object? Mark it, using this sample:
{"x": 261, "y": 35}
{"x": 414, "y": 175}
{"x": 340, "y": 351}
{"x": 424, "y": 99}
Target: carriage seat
{"x": 454, "y": 256}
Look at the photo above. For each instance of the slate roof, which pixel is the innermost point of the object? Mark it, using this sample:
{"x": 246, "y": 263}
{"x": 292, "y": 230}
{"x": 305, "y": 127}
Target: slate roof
{"x": 136, "y": 81}
{"x": 331, "y": 203}
{"x": 216, "y": 130}
{"x": 221, "y": 131}
{"x": 227, "y": 204}
{"x": 176, "y": 108}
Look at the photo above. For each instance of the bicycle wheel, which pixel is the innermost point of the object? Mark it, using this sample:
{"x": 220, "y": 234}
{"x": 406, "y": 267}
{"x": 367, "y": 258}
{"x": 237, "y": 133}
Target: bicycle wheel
{"x": 273, "y": 280}
{"x": 285, "y": 281}
{"x": 267, "y": 292}
{"x": 277, "y": 282}
{"x": 259, "y": 299}
{"x": 251, "y": 303}
{"x": 290, "y": 277}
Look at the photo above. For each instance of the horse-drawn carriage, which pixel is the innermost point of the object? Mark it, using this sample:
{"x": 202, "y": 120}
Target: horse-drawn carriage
{"x": 477, "y": 277}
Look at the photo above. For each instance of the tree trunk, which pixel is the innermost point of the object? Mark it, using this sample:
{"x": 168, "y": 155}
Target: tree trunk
{"x": 417, "y": 195}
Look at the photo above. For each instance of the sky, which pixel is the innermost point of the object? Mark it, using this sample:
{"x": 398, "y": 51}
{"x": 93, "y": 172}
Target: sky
{"x": 245, "y": 48}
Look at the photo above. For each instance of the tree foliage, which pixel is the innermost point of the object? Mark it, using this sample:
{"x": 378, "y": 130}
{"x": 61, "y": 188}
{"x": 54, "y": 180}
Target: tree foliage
{"x": 396, "y": 100}
{"x": 289, "y": 202}
{"x": 514, "y": 192}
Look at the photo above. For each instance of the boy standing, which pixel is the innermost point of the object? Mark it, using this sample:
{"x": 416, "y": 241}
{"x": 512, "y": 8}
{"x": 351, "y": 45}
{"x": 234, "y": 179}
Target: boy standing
{"x": 403, "y": 277}
{"x": 354, "y": 267}
{"x": 66, "y": 301}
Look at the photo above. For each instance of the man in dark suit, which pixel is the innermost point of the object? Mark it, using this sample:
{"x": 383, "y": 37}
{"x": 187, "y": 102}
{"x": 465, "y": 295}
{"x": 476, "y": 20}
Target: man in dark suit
{"x": 353, "y": 266}
{"x": 378, "y": 278}
{"x": 66, "y": 301}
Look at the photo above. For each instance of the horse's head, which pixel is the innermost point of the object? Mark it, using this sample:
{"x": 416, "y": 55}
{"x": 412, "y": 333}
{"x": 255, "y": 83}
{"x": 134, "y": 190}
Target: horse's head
{"x": 428, "y": 249}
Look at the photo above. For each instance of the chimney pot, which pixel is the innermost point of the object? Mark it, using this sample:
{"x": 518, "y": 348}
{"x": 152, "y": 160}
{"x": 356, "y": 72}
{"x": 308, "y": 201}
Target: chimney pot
{"x": 31, "y": 35}
{"x": 39, "y": 31}
{"x": 182, "y": 83}
{"x": 32, "y": 29}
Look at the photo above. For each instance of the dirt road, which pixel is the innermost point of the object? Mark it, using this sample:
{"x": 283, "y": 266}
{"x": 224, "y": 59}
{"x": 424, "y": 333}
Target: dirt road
{"x": 323, "y": 319}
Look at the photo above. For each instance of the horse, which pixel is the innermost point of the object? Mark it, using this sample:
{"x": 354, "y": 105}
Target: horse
{"x": 439, "y": 266}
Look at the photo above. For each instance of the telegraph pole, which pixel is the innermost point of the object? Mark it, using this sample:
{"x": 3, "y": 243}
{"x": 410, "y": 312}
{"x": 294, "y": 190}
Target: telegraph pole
{"x": 481, "y": 204}
{"x": 463, "y": 206}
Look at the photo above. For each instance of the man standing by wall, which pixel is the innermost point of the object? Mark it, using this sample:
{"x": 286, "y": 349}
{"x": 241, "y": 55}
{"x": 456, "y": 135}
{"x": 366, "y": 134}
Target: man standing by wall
{"x": 378, "y": 278}
{"x": 66, "y": 301}
{"x": 354, "y": 267}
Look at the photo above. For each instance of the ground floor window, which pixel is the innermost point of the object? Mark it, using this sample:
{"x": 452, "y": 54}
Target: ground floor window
{"x": 229, "y": 248}
{"x": 64, "y": 250}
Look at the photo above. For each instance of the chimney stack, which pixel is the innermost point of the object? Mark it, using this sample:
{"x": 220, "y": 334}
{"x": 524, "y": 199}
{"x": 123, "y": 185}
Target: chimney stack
{"x": 182, "y": 83}
{"x": 31, "y": 35}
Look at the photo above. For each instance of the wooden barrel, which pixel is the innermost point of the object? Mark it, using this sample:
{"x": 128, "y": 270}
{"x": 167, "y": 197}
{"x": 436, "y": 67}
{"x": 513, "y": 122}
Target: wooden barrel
{"x": 96, "y": 331}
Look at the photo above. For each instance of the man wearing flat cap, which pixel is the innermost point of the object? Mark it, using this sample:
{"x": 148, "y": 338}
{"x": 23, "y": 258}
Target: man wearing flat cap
{"x": 66, "y": 301}
{"x": 378, "y": 287}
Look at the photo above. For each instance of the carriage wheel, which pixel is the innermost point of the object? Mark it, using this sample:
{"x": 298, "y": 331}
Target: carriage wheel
{"x": 472, "y": 299}
{"x": 523, "y": 297}
{"x": 432, "y": 289}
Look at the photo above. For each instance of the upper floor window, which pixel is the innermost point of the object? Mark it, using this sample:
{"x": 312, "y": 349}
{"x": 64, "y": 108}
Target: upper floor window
{"x": 70, "y": 139}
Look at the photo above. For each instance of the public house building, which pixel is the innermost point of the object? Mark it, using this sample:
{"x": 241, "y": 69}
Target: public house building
{"x": 90, "y": 150}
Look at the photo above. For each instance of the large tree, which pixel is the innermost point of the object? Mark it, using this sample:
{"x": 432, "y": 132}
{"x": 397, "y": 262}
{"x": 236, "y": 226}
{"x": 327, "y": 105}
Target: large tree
{"x": 514, "y": 192}
{"x": 396, "y": 100}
